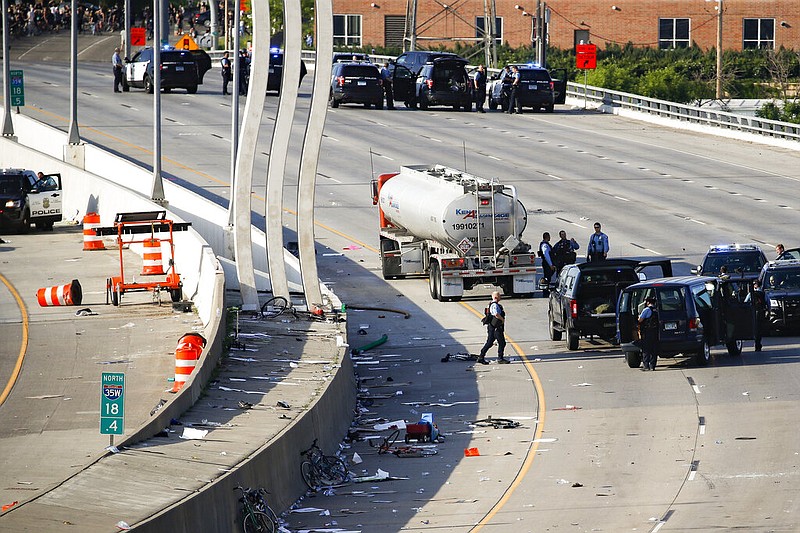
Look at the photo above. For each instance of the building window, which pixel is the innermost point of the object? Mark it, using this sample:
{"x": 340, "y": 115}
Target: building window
{"x": 498, "y": 28}
{"x": 347, "y": 30}
{"x": 673, "y": 33}
{"x": 759, "y": 33}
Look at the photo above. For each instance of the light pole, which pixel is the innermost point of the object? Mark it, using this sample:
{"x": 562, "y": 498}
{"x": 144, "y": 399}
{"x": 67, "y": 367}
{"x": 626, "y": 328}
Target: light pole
{"x": 720, "y": 9}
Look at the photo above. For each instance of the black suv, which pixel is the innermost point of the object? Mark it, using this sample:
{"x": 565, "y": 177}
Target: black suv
{"x": 584, "y": 301}
{"x": 356, "y": 83}
{"x": 743, "y": 261}
{"x": 780, "y": 282}
{"x": 178, "y": 71}
{"x": 431, "y": 79}
{"x": 536, "y": 90}
{"x": 694, "y": 313}
{"x": 276, "y": 70}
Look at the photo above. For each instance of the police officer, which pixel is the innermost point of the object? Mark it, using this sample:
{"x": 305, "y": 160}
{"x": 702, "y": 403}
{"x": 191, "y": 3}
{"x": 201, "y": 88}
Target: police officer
{"x": 648, "y": 332}
{"x": 495, "y": 331}
{"x": 564, "y": 251}
{"x": 598, "y": 245}
{"x": 227, "y": 72}
{"x": 513, "y": 100}
{"x": 116, "y": 64}
{"x": 545, "y": 252}
{"x": 388, "y": 90}
{"x": 479, "y": 83}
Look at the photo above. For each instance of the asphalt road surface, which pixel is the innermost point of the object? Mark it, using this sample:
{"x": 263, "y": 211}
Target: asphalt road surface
{"x": 682, "y": 448}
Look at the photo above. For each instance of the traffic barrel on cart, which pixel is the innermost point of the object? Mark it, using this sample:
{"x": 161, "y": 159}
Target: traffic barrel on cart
{"x": 69, "y": 294}
{"x": 153, "y": 263}
{"x": 186, "y": 355}
{"x": 91, "y": 240}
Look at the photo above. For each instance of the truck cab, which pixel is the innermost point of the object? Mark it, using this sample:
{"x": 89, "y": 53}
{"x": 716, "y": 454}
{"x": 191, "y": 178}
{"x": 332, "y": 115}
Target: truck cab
{"x": 27, "y": 198}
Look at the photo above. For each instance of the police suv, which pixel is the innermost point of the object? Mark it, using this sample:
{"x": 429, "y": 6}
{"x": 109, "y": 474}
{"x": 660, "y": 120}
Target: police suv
{"x": 26, "y": 198}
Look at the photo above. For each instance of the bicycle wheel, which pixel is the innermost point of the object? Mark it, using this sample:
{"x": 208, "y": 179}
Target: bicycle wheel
{"x": 309, "y": 472}
{"x": 332, "y": 471}
{"x": 258, "y": 522}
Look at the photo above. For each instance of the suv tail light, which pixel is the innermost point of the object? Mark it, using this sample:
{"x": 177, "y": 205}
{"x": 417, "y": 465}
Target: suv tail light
{"x": 453, "y": 263}
{"x": 429, "y": 83}
{"x": 340, "y": 81}
{"x": 573, "y": 308}
{"x": 552, "y": 85}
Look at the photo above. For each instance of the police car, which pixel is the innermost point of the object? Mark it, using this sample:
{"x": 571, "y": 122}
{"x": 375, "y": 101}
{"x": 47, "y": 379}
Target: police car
{"x": 780, "y": 281}
{"x": 178, "y": 70}
{"x": 742, "y": 261}
{"x": 26, "y": 198}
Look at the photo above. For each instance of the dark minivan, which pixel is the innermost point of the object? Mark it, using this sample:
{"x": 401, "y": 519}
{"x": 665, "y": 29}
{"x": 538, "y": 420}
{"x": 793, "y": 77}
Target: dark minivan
{"x": 427, "y": 78}
{"x": 694, "y": 314}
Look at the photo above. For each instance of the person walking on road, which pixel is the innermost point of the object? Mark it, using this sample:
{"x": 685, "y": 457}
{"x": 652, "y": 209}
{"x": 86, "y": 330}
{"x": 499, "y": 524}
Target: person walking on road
{"x": 648, "y": 332}
{"x": 495, "y": 330}
{"x": 564, "y": 251}
{"x": 598, "y": 245}
{"x": 545, "y": 252}
{"x": 513, "y": 101}
{"x": 479, "y": 83}
{"x": 388, "y": 90}
{"x": 227, "y": 72}
{"x": 116, "y": 64}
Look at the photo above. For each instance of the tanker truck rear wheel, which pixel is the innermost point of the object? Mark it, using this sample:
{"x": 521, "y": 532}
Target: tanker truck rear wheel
{"x": 434, "y": 282}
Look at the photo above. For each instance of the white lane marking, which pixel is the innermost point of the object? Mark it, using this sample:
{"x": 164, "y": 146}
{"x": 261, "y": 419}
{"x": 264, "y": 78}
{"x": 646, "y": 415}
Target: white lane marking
{"x": 652, "y": 251}
{"x": 702, "y": 429}
{"x": 434, "y": 139}
{"x": 334, "y": 139}
{"x": 386, "y": 157}
{"x": 579, "y": 225}
{"x": 493, "y": 157}
{"x": 692, "y": 473}
{"x": 332, "y": 179}
{"x": 697, "y": 222}
{"x": 188, "y": 133}
{"x": 621, "y": 198}
{"x": 35, "y": 47}
{"x": 658, "y": 526}
{"x": 555, "y": 177}
{"x": 101, "y": 41}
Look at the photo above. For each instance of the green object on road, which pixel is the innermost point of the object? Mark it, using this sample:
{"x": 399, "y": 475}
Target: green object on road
{"x": 370, "y": 346}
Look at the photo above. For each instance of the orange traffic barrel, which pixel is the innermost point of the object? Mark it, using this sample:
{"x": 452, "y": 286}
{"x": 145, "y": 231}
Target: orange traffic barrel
{"x": 69, "y": 294}
{"x": 91, "y": 240}
{"x": 193, "y": 338}
{"x": 186, "y": 356}
{"x": 152, "y": 263}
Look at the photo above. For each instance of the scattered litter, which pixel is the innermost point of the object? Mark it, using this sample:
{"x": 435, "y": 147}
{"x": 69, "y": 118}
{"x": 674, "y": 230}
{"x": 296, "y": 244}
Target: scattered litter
{"x": 158, "y": 406}
{"x": 544, "y": 440}
{"x": 352, "y": 247}
{"x": 745, "y": 438}
{"x": 497, "y": 423}
{"x": 237, "y": 379}
{"x": 8, "y": 506}
{"x": 243, "y": 359}
{"x": 397, "y": 424}
{"x": 332, "y": 254}
{"x": 567, "y": 408}
{"x": 562, "y": 481}
{"x": 85, "y": 312}
{"x": 44, "y": 397}
{"x": 114, "y": 362}
{"x": 245, "y": 405}
{"x": 126, "y": 326}
{"x": 381, "y": 475}
{"x": 112, "y": 449}
{"x": 471, "y": 452}
{"x": 357, "y": 460}
{"x": 194, "y": 434}
{"x": 307, "y": 510}
{"x": 122, "y": 525}
{"x": 283, "y": 404}
{"x": 371, "y": 345}
{"x": 576, "y": 484}
{"x": 746, "y": 393}
{"x": 582, "y": 385}
{"x": 432, "y": 404}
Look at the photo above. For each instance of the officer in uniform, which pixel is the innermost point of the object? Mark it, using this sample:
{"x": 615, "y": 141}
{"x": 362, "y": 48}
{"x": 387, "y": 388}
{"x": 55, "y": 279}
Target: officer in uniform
{"x": 480, "y": 89}
{"x": 648, "y": 332}
{"x": 495, "y": 330}
{"x": 598, "y": 245}
{"x": 388, "y": 90}
{"x": 512, "y": 97}
{"x": 545, "y": 252}
{"x": 227, "y": 72}
{"x": 116, "y": 64}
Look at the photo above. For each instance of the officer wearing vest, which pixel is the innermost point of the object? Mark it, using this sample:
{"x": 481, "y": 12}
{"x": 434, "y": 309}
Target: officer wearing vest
{"x": 495, "y": 331}
{"x": 545, "y": 252}
{"x": 648, "y": 331}
{"x": 598, "y": 245}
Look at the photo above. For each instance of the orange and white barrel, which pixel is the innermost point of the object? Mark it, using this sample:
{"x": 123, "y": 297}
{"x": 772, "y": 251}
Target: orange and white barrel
{"x": 186, "y": 356}
{"x": 153, "y": 263}
{"x": 91, "y": 240}
{"x": 69, "y": 294}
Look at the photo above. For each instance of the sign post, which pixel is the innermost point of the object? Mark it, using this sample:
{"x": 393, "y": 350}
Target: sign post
{"x": 17, "y": 88}
{"x": 112, "y": 404}
{"x": 585, "y": 59}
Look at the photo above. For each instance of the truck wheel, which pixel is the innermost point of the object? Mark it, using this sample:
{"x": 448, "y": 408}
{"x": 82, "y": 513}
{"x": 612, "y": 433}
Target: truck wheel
{"x": 634, "y": 359}
{"x": 433, "y": 281}
{"x": 572, "y": 340}
{"x": 555, "y": 334}
{"x": 703, "y": 355}
{"x": 334, "y": 102}
{"x": 734, "y": 348}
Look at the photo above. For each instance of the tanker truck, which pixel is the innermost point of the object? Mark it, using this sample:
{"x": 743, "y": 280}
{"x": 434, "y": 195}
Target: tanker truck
{"x": 457, "y": 229}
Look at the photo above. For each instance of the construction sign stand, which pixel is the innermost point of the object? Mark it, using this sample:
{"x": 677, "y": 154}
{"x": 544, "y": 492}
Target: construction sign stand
{"x": 148, "y": 223}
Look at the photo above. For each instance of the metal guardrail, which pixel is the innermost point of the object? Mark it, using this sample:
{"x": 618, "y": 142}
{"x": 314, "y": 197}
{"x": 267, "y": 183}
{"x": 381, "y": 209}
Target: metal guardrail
{"x": 685, "y": 113}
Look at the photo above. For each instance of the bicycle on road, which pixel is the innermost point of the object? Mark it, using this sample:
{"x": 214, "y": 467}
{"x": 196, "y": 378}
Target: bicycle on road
{"x": 320, "y": 470}
{"x": 258, "y": 517}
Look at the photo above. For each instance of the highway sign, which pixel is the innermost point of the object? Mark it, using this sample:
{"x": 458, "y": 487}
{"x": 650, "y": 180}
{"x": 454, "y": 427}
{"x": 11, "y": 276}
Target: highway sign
{"x": 586, "y": 56}
{"x": 112, "y": 403}
{"x": 17, "y": 88}
{"x": 137, "y": 36}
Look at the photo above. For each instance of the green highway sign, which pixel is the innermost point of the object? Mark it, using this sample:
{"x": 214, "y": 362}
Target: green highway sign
{"x": 17, "y": 87}
{"x": 112, "y": 403}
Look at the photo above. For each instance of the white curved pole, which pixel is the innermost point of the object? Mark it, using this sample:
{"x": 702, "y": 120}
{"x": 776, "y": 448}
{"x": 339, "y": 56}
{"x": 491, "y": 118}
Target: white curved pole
{"x": 280, "y": 147}
{"x": 253, "y": 112}
{"x": 311, "y": 149}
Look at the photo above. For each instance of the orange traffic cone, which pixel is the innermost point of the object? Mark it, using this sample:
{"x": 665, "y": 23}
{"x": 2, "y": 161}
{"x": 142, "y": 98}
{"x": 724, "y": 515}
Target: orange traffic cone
{"x": 69, "y": 294}
{"x": 186, "y": 356}
{"x": 91, "y": 240}
{"x": 152, "y": 263}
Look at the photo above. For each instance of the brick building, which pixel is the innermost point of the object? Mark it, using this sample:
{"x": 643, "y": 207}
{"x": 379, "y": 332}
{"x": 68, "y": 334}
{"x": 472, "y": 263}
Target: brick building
{"x": 653, "y": 23}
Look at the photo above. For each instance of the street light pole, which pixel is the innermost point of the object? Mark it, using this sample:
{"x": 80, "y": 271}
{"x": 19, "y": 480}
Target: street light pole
{"x": 719, "y": 51}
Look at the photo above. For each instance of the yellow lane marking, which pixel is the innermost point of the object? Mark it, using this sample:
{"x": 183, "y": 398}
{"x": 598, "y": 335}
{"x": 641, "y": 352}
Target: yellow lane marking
{"x": 531, "y": 455}
{"x": 23, "y": 345}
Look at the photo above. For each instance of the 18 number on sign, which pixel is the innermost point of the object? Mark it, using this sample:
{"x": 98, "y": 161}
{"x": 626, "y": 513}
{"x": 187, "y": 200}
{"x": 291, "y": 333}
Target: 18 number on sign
{"x": 112, "y": 403}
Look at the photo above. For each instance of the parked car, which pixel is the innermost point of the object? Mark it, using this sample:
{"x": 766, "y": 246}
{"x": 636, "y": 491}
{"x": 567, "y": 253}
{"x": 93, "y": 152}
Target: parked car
{"x": 356, "y": 82}
{"x": 27, "y": 199}
{"x": 741, "y": 260}
{"x": 536, "y": 90}
{"x": 780, "y": 283}
{"x": 276, "y": 70}
{"x": 583, "y": 302}
{"x": 694, "y": 313}
{"x": 178, "y": 71}
{"x": 431, "y": 79}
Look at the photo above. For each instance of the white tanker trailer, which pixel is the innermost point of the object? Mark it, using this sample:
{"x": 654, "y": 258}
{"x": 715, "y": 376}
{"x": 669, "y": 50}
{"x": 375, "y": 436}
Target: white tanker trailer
{"x": 458, "y": 229}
